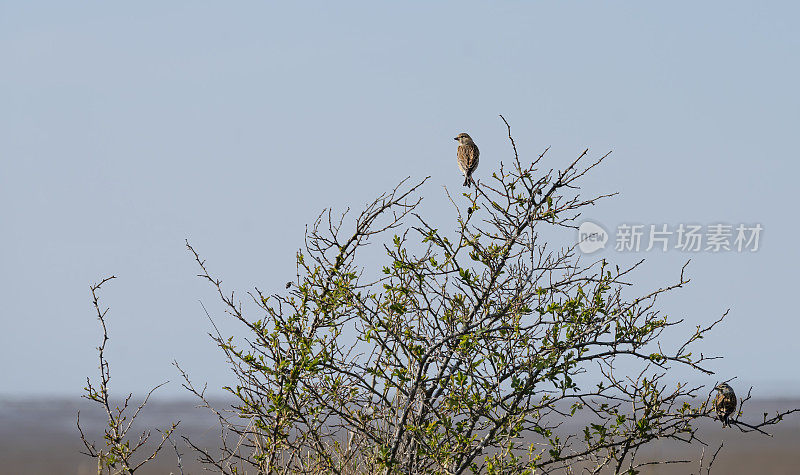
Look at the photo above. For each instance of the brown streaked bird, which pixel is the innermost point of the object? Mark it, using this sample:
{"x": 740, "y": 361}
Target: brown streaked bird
{"x": 724, "y": 403}
{"x": 467, "y": 157}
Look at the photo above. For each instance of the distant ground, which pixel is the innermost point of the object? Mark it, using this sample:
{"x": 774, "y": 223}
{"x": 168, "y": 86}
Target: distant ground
{"x": 40, "y": 437}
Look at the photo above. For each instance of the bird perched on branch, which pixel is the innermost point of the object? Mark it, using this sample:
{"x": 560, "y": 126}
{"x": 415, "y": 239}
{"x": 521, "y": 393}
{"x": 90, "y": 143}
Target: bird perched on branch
{"x": 467, "y": 157}
{"x": 724, "y": 403}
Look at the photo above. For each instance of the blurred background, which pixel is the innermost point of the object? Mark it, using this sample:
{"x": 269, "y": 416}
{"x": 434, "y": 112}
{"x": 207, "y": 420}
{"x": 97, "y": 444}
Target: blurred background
{"x": 126, "y": 130}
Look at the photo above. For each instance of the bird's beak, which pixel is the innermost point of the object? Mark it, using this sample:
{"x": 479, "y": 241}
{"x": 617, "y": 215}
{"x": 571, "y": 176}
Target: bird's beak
{"x": 455, "y": 138}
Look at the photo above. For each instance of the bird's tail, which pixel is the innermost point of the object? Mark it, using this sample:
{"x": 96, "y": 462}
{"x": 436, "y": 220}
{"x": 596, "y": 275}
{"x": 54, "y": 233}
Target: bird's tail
{"x": 468, "y": 180}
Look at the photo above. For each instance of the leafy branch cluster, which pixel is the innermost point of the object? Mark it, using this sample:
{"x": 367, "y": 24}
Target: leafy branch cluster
{"x": 119, "y": 453}
{"x": 466, "y": 351}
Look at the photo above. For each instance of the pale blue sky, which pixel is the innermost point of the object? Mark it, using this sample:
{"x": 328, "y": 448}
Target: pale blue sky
{"x": 127, "y": 127}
